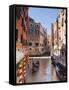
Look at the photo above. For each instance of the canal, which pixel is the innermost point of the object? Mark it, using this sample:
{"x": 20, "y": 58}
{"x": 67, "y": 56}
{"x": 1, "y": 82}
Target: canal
{"x": 45, "y": 73}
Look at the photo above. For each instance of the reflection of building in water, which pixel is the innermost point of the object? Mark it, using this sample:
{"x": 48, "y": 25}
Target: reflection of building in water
{"x": 59, "y": 32}
{"x": 37, "y": 38}
{"x": 21, "y": 43}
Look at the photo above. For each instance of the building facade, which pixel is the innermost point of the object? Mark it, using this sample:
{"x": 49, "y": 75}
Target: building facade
{"x": 62, "y": 29}
{"x": 49, "y": 44}
{"x": 21, "y": 44}
{"x": 21, "y": 26}
{"x": 37, "y": 38}
{"x": 55, "y": 38}
{"x": 59, "y": 32}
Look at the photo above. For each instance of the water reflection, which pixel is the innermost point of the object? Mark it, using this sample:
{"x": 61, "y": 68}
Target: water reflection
{"x": 45, "y": 73}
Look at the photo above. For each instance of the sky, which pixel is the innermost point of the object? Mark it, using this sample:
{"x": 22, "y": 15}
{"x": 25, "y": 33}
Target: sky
{"x": 45, "y": 16}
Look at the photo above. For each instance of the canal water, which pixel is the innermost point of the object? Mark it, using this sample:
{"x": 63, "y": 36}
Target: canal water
{"x": 45, "y": 73}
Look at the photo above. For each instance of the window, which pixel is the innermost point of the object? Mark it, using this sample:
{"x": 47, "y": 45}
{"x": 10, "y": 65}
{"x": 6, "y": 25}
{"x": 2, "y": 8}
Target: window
{"x": 30, "y": 44}
{"x": 36, "y": 44}
{"x": 62, "y": 52}
{"x": 42, "y": 49}
{"x": 58, "y": 27}
{"x": 59, "y": 38}
{"x": 16, "y": 34}
{"x": 31, "y": 25}
{"x": 48, "y": 42}
{"x": 37, "y": 26}
{"x": 31, "y": 30}
{"x": 30, "y": 49}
